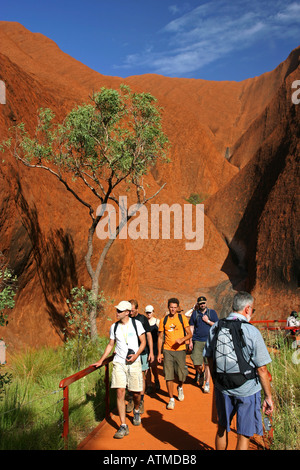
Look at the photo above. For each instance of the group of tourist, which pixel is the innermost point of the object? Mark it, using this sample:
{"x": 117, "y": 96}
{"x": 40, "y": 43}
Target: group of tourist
{"x": 142, "y": 342}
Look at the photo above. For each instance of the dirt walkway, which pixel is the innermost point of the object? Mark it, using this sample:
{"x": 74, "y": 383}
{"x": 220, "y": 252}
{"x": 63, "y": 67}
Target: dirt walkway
{"x": 190, "y": 426}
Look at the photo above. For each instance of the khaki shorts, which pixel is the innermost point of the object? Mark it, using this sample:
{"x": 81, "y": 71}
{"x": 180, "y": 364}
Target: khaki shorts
{"x": 129, "y": 376}
{"x": 197, "y": 353}
{"x": 175, "y": 363}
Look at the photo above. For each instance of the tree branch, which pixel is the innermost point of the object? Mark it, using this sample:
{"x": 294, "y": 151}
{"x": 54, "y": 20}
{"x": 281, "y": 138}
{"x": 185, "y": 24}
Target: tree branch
{"x": 59, "y": 177}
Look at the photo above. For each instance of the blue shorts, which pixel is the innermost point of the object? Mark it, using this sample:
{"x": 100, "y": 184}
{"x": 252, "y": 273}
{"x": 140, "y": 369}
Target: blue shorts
{"x": 145, "y": 362}
{"x": 247, "y": 410}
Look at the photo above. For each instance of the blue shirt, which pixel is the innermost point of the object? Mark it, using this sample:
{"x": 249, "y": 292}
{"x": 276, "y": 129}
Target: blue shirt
{"x": 255, "y": 348}
{"x": 201, "y": 328}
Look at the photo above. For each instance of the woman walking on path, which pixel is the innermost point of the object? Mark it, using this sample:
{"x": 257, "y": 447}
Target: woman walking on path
{"x": 154, "y": 324}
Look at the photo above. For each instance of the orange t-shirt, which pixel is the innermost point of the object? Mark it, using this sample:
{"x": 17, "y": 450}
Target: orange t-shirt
{"x": 173, "y": 330}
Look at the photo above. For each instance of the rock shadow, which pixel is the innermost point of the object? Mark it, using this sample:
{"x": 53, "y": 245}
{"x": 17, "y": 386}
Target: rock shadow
{"x": 54, "y": 258}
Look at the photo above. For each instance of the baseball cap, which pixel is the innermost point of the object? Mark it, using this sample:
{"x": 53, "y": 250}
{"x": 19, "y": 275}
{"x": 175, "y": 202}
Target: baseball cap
{"x": 123, "y": 305}
{"x": 201, "y": 299}
{"x": 149, "y": 308}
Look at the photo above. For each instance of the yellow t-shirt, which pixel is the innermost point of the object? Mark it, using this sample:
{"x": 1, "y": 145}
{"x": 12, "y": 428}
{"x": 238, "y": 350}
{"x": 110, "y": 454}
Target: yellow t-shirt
{"x": 173, "y": 331}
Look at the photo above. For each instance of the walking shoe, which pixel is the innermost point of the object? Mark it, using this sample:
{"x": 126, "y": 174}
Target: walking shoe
{"x": 136, "y": 418}
{"x": 130, "y": 406}
{"x": 122, "y": 431}
{"x": 180, "y": 393}
{"x": 171, "y": 404}
{"x": 206, "y": 388}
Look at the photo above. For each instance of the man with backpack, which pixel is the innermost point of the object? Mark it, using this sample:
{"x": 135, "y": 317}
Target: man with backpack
{"x": 200, "y": 322}
{"x": 237, "y": 357}
{"x": 146, "y": 355}
{"x": 173, "y": 332}
{"x": 128, "y": 336}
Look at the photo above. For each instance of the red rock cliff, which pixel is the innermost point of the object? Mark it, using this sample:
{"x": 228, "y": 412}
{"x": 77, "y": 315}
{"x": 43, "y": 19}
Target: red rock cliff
{"x": 251, "y": 208}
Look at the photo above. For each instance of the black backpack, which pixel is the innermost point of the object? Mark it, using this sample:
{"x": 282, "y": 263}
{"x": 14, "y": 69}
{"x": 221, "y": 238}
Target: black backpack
{"x": 227, "y": 351}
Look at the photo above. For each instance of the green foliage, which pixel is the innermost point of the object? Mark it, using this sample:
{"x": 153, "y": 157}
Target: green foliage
{"x": 285, "y": 372}
{"x": 78, "y": 332}
{"x": 286, "y": 395}
{"x": 196, "y": 198}
{"x": 7, "y": 301}
{"x": 33, "y": 365}
{"x": 31, "y": 406}
{"x": 116, "y": 136}
{"x": 7, "y": 291}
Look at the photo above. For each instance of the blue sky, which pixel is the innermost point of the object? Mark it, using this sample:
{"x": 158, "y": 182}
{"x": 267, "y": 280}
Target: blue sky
{"x": 212, "y": 40}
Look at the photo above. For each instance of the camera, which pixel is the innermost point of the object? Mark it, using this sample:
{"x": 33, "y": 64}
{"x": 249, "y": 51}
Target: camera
{"x": 129, "y": 353}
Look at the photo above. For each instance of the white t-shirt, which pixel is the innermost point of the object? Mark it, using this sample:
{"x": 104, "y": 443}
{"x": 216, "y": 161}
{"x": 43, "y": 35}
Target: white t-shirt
{"x": 126, "y": 338}
{"x": 292, "y": 321}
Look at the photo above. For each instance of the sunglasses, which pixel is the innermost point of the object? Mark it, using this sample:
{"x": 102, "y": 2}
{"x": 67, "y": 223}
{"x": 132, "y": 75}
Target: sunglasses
{"x": 253, "y": 309}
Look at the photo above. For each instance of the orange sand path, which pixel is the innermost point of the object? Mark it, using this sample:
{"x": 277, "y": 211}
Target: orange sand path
{"x": 190, "y": 426}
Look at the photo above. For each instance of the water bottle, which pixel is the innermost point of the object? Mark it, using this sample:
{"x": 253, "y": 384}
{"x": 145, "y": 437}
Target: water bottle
{"x": 267, "y": 423}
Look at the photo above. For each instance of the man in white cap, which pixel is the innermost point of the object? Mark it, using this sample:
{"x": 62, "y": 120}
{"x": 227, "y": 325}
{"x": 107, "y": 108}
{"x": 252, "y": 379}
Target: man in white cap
{"x": 128, "y": 336}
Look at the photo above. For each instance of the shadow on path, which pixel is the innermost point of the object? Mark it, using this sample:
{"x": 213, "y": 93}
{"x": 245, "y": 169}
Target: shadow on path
{"x": 170, "y": 433}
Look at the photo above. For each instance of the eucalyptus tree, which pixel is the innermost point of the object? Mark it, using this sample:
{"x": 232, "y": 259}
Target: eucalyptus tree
{"x": 107, "y": 143}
